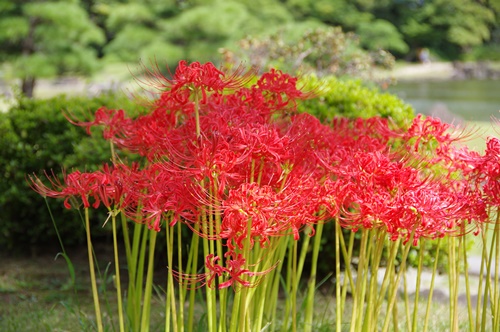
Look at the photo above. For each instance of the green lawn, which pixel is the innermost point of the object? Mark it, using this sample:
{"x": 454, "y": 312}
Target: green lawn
{"x": 35, "y": 295}
{"x": 481, "y": 130}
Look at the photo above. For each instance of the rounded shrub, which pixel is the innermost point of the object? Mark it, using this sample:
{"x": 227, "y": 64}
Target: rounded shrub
{"x": 35, "y": 136}
{"x": 351, "y": 98}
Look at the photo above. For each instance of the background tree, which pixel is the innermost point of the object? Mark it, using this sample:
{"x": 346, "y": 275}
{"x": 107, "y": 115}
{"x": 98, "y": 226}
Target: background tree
{"x": 322, "y": 51}
{"x": 46, "y": 38}
{"x": 172, "y": 30}
{"x": 200, "y": 33}
{"x": 449, "y": 27}
{"x": 134, "y": 29}
{"x": 381, "y": 35}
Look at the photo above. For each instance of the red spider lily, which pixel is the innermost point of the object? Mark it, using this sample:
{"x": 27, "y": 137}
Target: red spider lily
{"x": 106, "y": 186}
{"x": 269, "y": 213}
{"x": 196, "y": 77}
{"x": 425, "y": 129}
{"x": 381, "y": 193}
{"x": 248, "y": 162}
{"x": 235, "y": 269}
{"x": 433, "y": 139}
{"x": 76, "y": 185}
{"x": 279, "y": 90}
{"x": 113, "y": 121}
{"x": 487, "y": 171}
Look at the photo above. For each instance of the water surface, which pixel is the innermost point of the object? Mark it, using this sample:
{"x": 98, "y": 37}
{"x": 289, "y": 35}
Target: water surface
{"x": 471, "y": 100}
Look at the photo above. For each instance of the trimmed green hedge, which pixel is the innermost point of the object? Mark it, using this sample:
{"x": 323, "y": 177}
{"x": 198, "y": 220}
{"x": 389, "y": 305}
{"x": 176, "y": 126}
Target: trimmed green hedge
{"x": 36, "y": 137}
{"x": 351, "y": 98}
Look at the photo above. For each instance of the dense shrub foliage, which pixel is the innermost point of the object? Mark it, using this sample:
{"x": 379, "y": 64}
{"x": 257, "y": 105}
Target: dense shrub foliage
{"x": 353, "y": 99}
{"x": 35, "y": 136}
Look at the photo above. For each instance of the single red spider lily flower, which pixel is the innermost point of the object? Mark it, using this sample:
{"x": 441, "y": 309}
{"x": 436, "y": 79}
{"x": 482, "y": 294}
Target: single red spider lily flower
{"x": 235, "y": 269}
{"x": 280, "y": 90}
{"x": 434, "y": 139}
{"x": 488, "y": 171}
{"x": 76, "y": 185}
{"x": 114, "y": 122}
{"x": 208, "y": 77}
{"x": 196, "y": 77}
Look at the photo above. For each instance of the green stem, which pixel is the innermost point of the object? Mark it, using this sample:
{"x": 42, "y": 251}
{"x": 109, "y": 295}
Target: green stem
{"x": 148, "y": 289}
{"x": 181, "y": 289}
{"x": 484, "y": 258}
{"x": 117, "y": 274}
{"x": 357, "y": 305}
{"x": 55, "y": 226}
{"x": 272, "y": 302}
{"x": 295, "y": 282}
{"x": 371, "y": 302}
{"x": 126, "y": 239}
{"x": 453, "y": 283}
{"x": 134, "y": 296}
{"x": 347, "y": 253}
{"x": 308, "y": 323}
{"x": 170, "y": 305}
{"x": 215, "y": 211}
{"x": 338, "y": 298}
{"x": 467, "y": 284}
{"x": 303, "y": 254}
{"x": 406, "y": 299}
{"x": 244, "y": 308}
{"x": 394, "y": 247}
{"x": 496, "y": 293}
{"x": 210, "y": 293}
{"x": 264, "y": 295}
{"x": 417, "y": 286}
{"x": 93, "y": 280}
{"x": 288, "y": 287}
{"x": 487, "y": 290}
{"x": 392, "y": 299}
{"x": 197, "y": 111}
{"x": 193, "y": 270}
{"x": 431, "y": 290}
{"x": 234, "y": 327}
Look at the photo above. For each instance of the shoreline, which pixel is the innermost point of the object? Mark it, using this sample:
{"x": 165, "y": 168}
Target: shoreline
{"x": 442, "y": 71}
{"x": 426, "y": 71}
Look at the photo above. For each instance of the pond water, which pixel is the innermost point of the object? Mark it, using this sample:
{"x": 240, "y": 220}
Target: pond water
{"x": 470, "y": 100}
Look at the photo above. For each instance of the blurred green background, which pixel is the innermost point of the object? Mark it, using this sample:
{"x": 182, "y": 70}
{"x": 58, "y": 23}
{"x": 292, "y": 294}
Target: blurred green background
{"x": 41, "y": 39}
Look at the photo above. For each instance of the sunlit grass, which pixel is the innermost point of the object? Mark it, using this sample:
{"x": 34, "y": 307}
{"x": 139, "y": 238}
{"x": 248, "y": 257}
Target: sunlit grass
{"x": 60, "y": 311}
{"x": 35, "y": 296}
{"x": 482, "y": 130}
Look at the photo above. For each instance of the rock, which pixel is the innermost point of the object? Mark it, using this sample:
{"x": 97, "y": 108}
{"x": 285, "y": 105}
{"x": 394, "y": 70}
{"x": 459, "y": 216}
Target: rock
{"x": 474, "y": 70}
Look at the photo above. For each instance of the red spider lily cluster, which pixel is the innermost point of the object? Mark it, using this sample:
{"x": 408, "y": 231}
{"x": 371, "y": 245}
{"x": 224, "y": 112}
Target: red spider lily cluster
{"x": 235, "y": 163}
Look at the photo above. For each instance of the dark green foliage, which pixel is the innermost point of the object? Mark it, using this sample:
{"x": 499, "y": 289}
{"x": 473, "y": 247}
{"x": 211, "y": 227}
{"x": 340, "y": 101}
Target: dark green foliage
{"x": 36, "y": 137}
{"x": 486, "y": 52}
{"x": 46, "y": 39}
{"x": 351, "y": 98}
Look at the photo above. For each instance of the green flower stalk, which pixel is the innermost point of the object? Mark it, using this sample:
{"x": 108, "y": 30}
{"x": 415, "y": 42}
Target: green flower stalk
{"x": 93, "y": 280}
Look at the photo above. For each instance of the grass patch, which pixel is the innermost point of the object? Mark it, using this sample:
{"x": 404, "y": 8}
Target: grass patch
{"x": 34, "y": 296}
{"x": 482, "y": 130}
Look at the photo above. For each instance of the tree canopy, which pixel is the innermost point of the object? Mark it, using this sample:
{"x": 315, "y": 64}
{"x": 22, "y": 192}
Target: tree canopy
{"x": 47, "y": 38}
